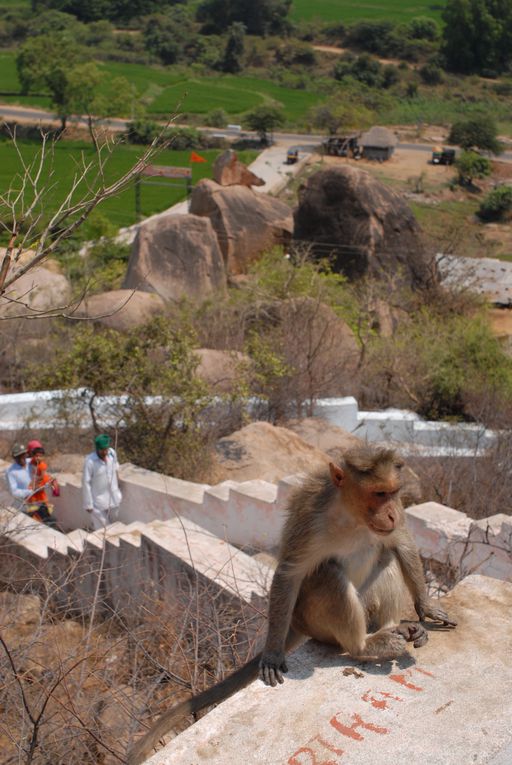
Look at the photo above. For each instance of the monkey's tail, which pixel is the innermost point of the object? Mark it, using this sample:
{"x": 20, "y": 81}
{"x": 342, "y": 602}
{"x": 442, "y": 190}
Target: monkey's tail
{"x": 234, "y": 682}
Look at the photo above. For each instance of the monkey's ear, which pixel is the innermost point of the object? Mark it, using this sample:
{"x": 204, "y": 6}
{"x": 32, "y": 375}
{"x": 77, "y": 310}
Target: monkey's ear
{"x": 337, "y": 474}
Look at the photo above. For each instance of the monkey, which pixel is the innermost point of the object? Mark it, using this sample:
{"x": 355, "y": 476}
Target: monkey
{"x": 347, "y": 566}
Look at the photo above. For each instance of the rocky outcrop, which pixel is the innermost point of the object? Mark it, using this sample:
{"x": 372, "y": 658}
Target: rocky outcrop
{"x": 267, "y": 452}
{"x": 318, "y": 347}
{"x": 229, "y": 171}
{"x": 363, "y": 226}
{"x": 121, "y": 309}
{"x": 335, "y": 441}
{"x": 321, "y": 434}
{"x": 176, "y": 256}
{"x": 41, "y": 290}
{"x": 220, "y": 369}
{"x": 246, "y": 223}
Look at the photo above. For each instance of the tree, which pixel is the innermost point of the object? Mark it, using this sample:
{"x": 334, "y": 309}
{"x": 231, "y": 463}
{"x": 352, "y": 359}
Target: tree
{"x": 264, "y": 119}
{"x": 169, "y": 35}
{"x": 157, "y": 398}
{"x": 471, "y": 165}
{"x": 260, "y": 18}
{"x": 477, "y": 133}
{"x": 45, "y": 62}
{"x": 112, "y": 10}
{"x": 234, "y": 51}
{"x": 337, "y": 115}
{"x": 497, "y": 205}
{"x": 94, "y": 97}
{"x": 477, "y": 35}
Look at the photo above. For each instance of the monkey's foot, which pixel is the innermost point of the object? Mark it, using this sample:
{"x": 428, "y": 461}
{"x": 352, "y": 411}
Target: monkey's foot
{"x": 435, "y": 613}
{"x": 413, "y": 632}
{"x": 384, "y": 644}
{"x": 272, "y": 665}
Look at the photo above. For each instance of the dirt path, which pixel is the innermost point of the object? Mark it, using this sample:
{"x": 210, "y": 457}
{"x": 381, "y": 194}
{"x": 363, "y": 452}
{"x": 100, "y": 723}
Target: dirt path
{"x": 340, "y": 51}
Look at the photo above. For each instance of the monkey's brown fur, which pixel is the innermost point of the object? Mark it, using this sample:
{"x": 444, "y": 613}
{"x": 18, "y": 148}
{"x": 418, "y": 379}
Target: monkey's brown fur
{"x": 346, "y": 564}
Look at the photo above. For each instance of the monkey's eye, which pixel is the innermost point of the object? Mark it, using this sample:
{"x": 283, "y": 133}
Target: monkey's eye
{"x": 381, "y": 494}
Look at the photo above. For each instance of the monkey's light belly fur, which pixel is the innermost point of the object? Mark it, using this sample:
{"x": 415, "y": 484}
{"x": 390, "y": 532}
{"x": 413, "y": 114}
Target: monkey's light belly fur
{"x": 448, "y": 703}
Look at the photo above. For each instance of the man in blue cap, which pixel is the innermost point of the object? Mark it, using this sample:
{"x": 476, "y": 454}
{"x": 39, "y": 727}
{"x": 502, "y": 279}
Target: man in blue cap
{"x": 100, "y": 487}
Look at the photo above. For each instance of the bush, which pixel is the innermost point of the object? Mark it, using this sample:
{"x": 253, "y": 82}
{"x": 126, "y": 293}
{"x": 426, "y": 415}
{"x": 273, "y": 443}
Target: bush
{"x": 476, "y": 133}
{"x": 497, "y": 205}
{"x": 180, "y": 138}
{"x": 142, "y": 131}
{"x": 423, "y": 28}
{"x": 471, "y": 165}
{"x": 217, "y": 118}
{"x": 438, "y": 362}
{"x": 431, "y": 74}
{"x": 163, "y": 433}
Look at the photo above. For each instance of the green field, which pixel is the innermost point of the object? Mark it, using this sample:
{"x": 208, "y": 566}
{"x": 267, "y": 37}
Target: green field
{"x": 119, "y": 210}
{"x": 348, "y": 12}
{"x": 166, "y": 91}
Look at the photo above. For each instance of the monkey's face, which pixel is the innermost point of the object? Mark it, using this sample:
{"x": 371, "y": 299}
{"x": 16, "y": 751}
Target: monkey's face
{"x": 382, "y": 507}
{"x": 377, "y": 507}
{"x": 372, "y": 500}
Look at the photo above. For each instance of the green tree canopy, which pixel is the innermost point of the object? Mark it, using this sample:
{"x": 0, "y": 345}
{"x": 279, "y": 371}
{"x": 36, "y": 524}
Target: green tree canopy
{"x": 233, "y": 54}
{"x": 341, "y": 115}
{"x": 477, "y": 133}
{"x": 94, "y": 96}
{"x": 477, "y": 35}
{"x": 260, "y": 18}
{"x": 44, "y": 63}
{"x": 471, "y": 165}
{"x": 112, "y": 10}
{"x": 264, "y": 119}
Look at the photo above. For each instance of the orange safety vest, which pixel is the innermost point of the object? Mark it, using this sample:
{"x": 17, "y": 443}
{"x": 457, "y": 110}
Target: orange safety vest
{"x": 39, "y": 479}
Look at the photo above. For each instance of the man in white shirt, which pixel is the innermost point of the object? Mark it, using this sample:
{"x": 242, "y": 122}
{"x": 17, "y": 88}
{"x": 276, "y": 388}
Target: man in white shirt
{"x": 18, "y": 475}
{"x": 100, "y": 488}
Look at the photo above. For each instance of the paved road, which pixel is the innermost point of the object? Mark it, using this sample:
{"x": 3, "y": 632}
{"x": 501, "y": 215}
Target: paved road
{"x": 305, "y": 142}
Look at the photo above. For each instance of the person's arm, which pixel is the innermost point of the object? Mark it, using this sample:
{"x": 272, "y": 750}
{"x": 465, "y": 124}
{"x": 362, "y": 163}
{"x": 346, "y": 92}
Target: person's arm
{"x": 87, "y": 485}
{"x": 14, "y": 489}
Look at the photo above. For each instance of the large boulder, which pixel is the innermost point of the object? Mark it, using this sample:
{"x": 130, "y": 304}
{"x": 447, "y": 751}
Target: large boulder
{"x": 229, "y": 171}
{"x": 265, "y": 451}
{"x": 41, "y": 290}
{"x": 246, "y": 222}
{"x": 121, "y": 309}
{"x": 335, "y": 441}
{"x": 323, "y": 435}
{"x": 318, "y": 346}
{"x": 364, "y": 226}
{"x": 176, "y": 256}
{"x": 220, "y": 369}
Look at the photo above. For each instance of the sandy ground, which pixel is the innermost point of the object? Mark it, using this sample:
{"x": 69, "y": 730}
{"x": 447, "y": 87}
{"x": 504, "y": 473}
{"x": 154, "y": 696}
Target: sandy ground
{"x": 405, "y": 164}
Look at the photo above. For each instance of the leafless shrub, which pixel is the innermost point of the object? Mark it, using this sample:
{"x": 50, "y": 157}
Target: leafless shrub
{"x": 479, "y": 486}
{"x": 91, "y": 651}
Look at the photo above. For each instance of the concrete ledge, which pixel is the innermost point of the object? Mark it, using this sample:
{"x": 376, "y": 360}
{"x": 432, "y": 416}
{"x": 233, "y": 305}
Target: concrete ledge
{"x": 436, "y": 706}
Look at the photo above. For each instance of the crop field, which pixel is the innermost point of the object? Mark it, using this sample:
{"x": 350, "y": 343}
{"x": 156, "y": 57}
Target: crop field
{"x": 119, "y": 210}
{"x": 166, "y": 91}
{"x": 349, "y": 11}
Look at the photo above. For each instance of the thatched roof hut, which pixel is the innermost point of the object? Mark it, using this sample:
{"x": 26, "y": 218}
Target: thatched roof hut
{"x": 378, "y": 143}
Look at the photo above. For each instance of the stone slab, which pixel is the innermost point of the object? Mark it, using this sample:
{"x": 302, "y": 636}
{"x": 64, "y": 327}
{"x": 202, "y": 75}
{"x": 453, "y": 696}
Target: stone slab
{"x": 448, "y": 703}
{"x": 212, "y": 557}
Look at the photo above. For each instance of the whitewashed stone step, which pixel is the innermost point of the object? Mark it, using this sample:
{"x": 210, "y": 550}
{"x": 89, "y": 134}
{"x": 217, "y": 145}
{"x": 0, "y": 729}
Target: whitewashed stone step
{"x": 407, "y": 712}
{"x": 224, "y": 564}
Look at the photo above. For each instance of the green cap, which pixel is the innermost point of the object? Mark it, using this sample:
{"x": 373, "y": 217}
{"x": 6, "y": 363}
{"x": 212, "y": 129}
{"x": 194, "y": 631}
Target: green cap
{"x": 102, "y": 441}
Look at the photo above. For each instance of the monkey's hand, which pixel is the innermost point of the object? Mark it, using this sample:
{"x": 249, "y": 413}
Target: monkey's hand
{"x": 272, "y": 666}
{"x": 434, "y": 612}
{"x": 413, "y": 632}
